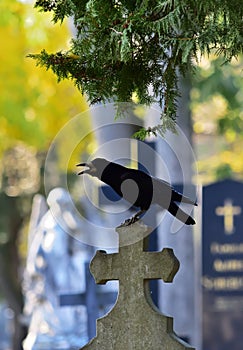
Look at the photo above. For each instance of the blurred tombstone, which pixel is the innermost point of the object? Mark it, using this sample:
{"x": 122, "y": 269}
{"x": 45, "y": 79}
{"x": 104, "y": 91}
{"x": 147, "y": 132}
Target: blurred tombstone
{"x": 175, "y": 149}
{"x": 55, "y": 264}
{"x": 97, "y": 300}
{"x": 116, "y": 143}
{"x": 222, "y": 266}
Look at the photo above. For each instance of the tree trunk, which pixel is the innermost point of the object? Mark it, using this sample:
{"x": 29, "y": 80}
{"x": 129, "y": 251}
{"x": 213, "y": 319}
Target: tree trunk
{"x": 10, "y": 285}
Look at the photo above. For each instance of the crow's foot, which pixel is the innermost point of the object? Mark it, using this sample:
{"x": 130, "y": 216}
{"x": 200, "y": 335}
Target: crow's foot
{"x": 133, "y": 219}
{"x": 130, "y": 221}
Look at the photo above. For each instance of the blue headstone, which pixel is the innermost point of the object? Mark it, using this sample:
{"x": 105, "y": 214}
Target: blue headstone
{"x": 222, "y": 266}
{"x": 93, "y": 298}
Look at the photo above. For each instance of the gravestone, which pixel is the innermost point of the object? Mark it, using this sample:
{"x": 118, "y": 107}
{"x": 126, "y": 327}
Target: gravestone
{"x": 134, "y": 323}
{"x": 54, "y": 265}
{"x": 222, "y": 266}
{"x": 92, "y": 298}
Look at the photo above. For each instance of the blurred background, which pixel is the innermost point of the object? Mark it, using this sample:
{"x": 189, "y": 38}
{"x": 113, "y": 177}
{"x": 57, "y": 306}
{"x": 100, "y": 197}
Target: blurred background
{"x": 33, "y": 109}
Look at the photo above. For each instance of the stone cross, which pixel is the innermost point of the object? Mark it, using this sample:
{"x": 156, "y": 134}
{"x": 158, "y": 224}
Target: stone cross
{"x": 134, "y": 323}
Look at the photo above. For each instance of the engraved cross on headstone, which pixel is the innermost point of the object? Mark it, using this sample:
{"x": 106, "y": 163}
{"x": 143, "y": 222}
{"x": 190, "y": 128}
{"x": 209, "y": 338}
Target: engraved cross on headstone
{"x": 134, "y": 322}
{"x": 228, "y": 211}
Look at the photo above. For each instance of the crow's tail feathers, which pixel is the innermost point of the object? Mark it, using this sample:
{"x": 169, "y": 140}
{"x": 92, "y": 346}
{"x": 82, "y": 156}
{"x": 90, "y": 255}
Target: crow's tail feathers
{"x": 180, "y": 214}
{"x": 178, "y": 197}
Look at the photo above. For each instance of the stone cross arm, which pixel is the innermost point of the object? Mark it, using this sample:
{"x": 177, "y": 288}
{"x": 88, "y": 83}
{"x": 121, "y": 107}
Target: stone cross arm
{"x": 147, "y": 265}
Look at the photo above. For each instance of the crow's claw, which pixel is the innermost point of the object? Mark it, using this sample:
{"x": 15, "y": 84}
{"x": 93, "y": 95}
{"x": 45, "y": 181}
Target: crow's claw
{"x": 130, "y": 221}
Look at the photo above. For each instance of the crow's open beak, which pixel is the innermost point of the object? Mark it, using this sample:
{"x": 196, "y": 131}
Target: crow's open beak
{"x": 84, "y": 171}
{"x": 90, "y": 169}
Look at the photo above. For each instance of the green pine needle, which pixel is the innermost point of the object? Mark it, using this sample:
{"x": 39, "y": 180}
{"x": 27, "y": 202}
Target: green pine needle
{"x": 122, "y": 47}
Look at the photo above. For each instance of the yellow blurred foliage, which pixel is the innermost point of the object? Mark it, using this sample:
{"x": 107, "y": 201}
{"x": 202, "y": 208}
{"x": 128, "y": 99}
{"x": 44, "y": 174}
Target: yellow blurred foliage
{"x": 218, "y": 119}
{"x": 33, "y": 106}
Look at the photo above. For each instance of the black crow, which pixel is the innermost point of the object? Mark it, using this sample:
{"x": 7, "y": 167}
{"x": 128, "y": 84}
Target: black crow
{"x": 138, "y": 188}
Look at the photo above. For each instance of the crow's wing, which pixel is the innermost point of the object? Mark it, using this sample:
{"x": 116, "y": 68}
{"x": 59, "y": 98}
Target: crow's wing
{"x": 180, "y": 214}
{"x": 163, "y": 190}
{"x": 137, "y": 188}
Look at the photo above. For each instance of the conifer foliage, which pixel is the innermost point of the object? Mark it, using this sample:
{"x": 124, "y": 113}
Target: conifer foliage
{"x": 123, "y": 47}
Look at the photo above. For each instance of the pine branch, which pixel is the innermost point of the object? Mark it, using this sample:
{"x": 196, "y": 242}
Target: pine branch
{"x": 128, "y": 46}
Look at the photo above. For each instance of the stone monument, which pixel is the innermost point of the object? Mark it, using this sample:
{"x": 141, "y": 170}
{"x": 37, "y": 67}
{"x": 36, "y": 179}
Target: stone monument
{"x": 221, "y": 277}
{"x": 134, "y": 323}
{"x": 55, "y": 265}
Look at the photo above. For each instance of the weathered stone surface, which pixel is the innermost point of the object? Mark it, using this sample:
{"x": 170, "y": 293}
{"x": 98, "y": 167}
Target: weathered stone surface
{"x": 134, "y": 323}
